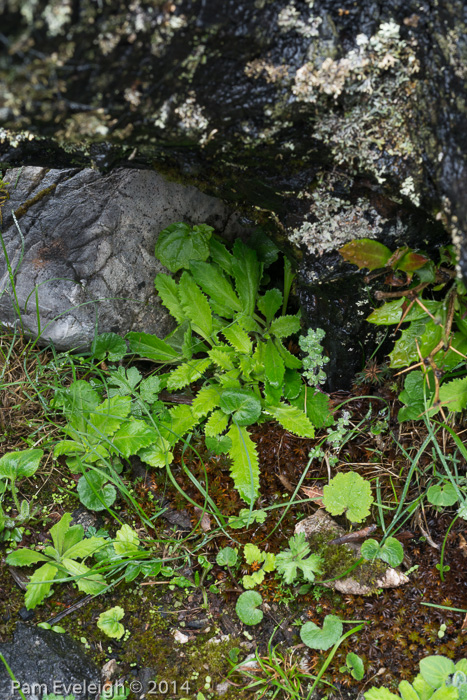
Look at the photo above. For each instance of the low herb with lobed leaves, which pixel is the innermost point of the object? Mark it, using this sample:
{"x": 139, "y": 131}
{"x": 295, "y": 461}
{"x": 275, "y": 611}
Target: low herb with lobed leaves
{"x": 230, "y": 337}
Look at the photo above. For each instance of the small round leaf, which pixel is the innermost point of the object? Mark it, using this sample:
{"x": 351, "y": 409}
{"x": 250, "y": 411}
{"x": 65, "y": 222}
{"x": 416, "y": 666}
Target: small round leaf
{"x": 108, "y": 622}
{"x": 92, "y": 492}
{"x": 247, "y": 608}
{"x": 244, "y": 406}
{"x": 227, "y": 556}
{"x": 442, "y": 495}
{"x": 324, "y": 638}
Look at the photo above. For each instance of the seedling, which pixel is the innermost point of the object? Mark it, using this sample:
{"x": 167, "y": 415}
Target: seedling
{"x": 108, "y": 622}
{"x": 247, "y": 608}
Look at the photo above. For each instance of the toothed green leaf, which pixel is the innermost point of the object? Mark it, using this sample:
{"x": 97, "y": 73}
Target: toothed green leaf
{"x": 187, "y": 373}
{"x": 245, "y": 464}
{"x": 273, "y": 365}
{"x": 215, "y": 284}
{"x": 238, "y": 338}
{"x": 348, "y": 493}
{"x": 178, "y": 244}
{"x": 216, "y": 423}
{"x": 283, "y": 326}
{"x": 292, "y": 419}
{"x": 167, "y": 289}
{"x": 205, "y": 401}
{"x": 195, "y": 305}
{"x": 270, "y": 303}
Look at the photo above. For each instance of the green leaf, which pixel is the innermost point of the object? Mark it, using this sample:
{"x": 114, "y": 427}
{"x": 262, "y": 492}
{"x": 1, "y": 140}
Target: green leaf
{"x": 283, "y": 326}
{"x": 366, "y": 253}
{"x": 149, "y": 389}
{"x": 78, "y": 401}
{"x": 247, "y": 608}
{"x": 425, "y": 332}
{"x": 245, "y": 465}
{"x": 290, "y": 361}
{"x": 167, "y": 289}
{"x": 92, "y": 492}
{"x": 25, "y": 557}
{"x": 252, "y": 553}
{"x": 412, "y": 261}
{"x": 126, "y": 541}
{"x": 123, "y": 382}
{"x": 220, "y": 445}
{"x": 413, "y": 396}
{"x": 178, "y": 244}
{"x": 108, "y": 622}
{"x": 380, "y": 694}
{"x": 195, "y": 305}
{"x": 89, "y": 583}
{"x": 442, "y": 495}
{"x": 216, "y": 424}
{"x": 227, "y": 556}
{"x": 290, "y": 560}
{"x": 152, "y": 347}
{"x": 324, "y": 638}
{"x": 187, "y": 373}
{"x": 83, "y": 549}
{"x": 158, "y": 454}
{"x": 407, "y": 691}
{"x": 214, "y": 283}
{"x": 247, "y": 272}
{"x": 356, "y": 665}
{"x": 132, "y": 436}
{"x": 421, "y": 687}
{"x": 23, "y": 463}
{"x": 273, "y": 365}
{"x": 316, "y": 404}
{"x": 179, "y": 422}
{"x": 453, "y": 394}
{"x": 250, "y": 581}
{"x": 221, "y": 255}
{"x": 59, "y": 530}
{"x": 246, "y": 518}
{"x": 109, "y": 415}
{"x": 206, "y": 400}
{"x": 293, "y": 386}
{"x": 223, "y": 359}
{"x": 391, "y": 551}
{"x": 39, "y": 585}
{"x": 238, "y": 338}
{"x": 244, "y": 405}
{"x": 292, "y": 419}
{"x": 109, "y": 345}
{"x": 436, "y": 670}
{"x": 348, "y": 493}
{"x": 270, "y": 303}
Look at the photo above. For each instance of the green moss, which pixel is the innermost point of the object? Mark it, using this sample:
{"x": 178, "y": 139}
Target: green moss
{"x": 21, "y": 211}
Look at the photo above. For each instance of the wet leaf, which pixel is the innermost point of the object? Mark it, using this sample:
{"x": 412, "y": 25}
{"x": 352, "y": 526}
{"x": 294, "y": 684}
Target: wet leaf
{"x": 317, "y": 638}
{"x": 247, "y": 608}
{"x": 366, "y": 253}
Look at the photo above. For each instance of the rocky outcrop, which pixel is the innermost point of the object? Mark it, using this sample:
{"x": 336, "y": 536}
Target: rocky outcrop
{"x": 321, "y": 120}
{"x": 81, "y": 250}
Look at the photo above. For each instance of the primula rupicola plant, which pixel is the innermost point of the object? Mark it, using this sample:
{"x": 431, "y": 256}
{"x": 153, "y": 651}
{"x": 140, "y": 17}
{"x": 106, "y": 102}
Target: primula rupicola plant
{"x": 230, "y": 340}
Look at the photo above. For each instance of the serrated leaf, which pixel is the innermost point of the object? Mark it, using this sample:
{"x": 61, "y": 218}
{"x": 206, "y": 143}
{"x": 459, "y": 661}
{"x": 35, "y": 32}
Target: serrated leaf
{"x": 59, "y": 530}
{"x": 407, "y": 691}
{"x": 323, "y": 639}
{"x": 221, "y": 255}
{"x": 380, "y": 694}
{"x": 109, "y": 345}
{"x": 92, "y": 492}
{"x": 167, "y": 289}
{"x": 216, "y": 423}
{"x": 283, "y": 326}
{"x": 152, "y": 347}
{"x": 195, "y": 305}
{"x": 242, "y": 404}
{"x": 215, "y": 284}
{"x": 123, "y": 381}
{"x": 77, "y": 401}
{"x": 443, "y": 496}
{"x": 178, "y": 244}
{"x": 149, "y": 389}
{"x": 391, "y": 551}
{"x": 206, "y": 400}
{"x": 366, "y": 253}
{"x": 219, "y": 444}
{"x": 270, "y": 303}
{"x": 247, "y": 272}
{"x": 157, "y": 454}
{"x": 436, "y": 669}
{"x": 245, "y": 464}
{"x": 252, "y": 553}
{"x": 108, "y": 622}
{"x": 348, "y": 493}
{"x": 25, "y": 557}
{"x": 221, "y": 358}
{"x": 89, "y": 583}
{"x": 109, "y": 415}
{"x": 132, "y": 436}
{"x": 39, "y": 585}
{"x": 423, "y": 333}
{"x": 453, "y": 394}
{"x": 247, "y": 608}
{"x": 290, "y": 361}
{"x": 292, "y": 419}
{"x": 273, "y": 365}
{"x": 187, "y": 373}
{"x": 251, "y": 580}
{"x": 296, "y": 557}
{"x": 316, "y": 405}
{"x": 238, "y": 338}
{"x": 293, "y": 385}
{"x": 179, "y": 422}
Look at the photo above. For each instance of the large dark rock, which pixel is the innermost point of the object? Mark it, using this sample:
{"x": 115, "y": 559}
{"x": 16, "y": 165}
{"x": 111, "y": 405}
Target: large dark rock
{"x": 83, "y": 250}
{"x": 323, "y": 120}
{"x": 42, "y": 662}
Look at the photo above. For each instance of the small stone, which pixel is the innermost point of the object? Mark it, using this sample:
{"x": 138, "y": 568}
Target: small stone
{"x": 180, "y": 637}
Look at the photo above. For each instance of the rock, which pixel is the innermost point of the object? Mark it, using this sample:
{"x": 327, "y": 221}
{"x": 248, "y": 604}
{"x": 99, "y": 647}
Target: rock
{"x": 180, "y": 637}
{"x": 322, "y": 522}
{"x": 322, "y": 121}
{"x": 46, "y": 662}
{"x": 87, "y": 248}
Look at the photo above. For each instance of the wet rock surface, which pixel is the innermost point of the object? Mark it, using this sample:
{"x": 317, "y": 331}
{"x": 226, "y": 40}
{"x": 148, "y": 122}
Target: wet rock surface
{"x": 323, "y": 121}
{"x": 85, "y": 242}
{"x": 44, "y": 661}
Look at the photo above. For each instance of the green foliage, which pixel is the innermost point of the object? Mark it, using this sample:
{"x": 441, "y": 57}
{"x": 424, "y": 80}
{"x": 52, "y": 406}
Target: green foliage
{"x": 108, "y": 346}
{"x": 227, "y": 556}
{"x": 246, "y": 518}
{"x": 253, "y": 555}
{"x": 13, "y": 466}
{"x": 108, "y": 622}
{"x": 354, "y": 665}
{"x": 443, "y": 496}
{"x": 314, "y": 360}
{"x": 391, "y": 551}
{"x": 434, "y": 334}
{"x": 317, "y": 638}
{"x": 247, "y": 608}
{"x": 439, "y": 679}
{"x": 247, "y": 372}
{"x": 348, "y": 493}
{"x": 289, "y": 561}
{"x": 60, "y": 561}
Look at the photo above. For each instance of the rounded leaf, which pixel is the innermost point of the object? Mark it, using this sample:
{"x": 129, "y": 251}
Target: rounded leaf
{"x": 317, "y": 638}
{"x": 92, "y": 492}
{"x": 108, "y": 622}
{"x": 356, "y": 666}
{"x": 442, "y": 495}
{"x": 227, "y": 556}
{"x": 109, "y": 345}
{"x": 247, "y": 608}
{"x": 348, "y": 493}
{"x": 244, "y": 406}
{"x": 391, "y": 551}
{"x": 21, "y": 463}
{"x": 436, "y": 669}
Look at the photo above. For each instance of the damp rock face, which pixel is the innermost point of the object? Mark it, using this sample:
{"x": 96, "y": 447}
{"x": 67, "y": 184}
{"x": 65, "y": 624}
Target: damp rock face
{"x": 82, "y": 250}
{"x": 46, "y": 662}
{"x": 322, "y": 121}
